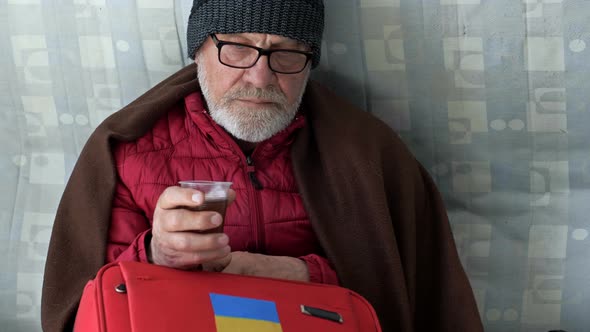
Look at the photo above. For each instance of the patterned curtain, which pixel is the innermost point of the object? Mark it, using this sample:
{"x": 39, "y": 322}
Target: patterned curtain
{"x": 491, "y": 96}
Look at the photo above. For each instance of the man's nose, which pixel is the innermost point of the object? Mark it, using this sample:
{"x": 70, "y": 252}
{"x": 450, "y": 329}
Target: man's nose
{"x": 260, "y": 75}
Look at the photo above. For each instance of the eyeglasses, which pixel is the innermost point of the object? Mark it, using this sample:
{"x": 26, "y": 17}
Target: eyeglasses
{"x": 243, "y": 56}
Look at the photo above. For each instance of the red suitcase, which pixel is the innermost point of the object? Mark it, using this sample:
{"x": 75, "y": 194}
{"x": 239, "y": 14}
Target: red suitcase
{"x": 130, "y": 296}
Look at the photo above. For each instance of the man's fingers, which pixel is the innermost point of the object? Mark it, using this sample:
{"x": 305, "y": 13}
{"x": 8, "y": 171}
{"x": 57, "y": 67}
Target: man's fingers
{"x": 176, "y": 238}
{"x": 174, "y": 197}
{"x": 187, "y": 242}
{"x": 188, "y": 250}
{"x": 190, "y": 260}
{"x": 182, "y": 219}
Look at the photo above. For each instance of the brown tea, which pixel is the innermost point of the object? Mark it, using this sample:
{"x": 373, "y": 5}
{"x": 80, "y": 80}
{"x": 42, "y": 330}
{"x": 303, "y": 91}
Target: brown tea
{"x": 217, "y": 205}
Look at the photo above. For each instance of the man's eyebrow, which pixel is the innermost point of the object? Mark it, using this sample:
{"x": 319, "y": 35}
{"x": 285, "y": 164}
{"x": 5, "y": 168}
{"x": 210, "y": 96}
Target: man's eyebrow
{"x": 291, "y": 43}
{"x": 286, "y": 43}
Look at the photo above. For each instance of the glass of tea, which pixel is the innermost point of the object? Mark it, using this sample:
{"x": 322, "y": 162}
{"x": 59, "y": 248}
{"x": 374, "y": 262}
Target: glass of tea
{"x": 215, "y": 193}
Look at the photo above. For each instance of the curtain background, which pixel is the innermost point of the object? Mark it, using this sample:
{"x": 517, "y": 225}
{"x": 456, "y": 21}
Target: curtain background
{"x": 491, "y": 96}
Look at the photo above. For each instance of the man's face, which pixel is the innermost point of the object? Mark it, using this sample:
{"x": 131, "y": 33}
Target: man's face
{"x": 255, "y": 103}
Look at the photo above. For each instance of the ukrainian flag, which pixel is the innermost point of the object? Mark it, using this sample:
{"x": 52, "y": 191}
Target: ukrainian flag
{"x": 242, "y": 314}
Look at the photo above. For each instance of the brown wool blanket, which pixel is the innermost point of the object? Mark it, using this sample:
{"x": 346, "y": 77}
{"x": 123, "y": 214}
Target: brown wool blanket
{"x": 375, "y": 210}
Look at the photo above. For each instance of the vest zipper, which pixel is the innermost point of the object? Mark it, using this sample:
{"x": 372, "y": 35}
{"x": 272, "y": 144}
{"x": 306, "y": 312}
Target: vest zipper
{"x": 252, "y": 173}
{"x": 258, "y": 223}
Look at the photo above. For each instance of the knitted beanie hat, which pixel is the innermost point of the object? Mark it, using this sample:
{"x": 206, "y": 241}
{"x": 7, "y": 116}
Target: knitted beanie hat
{"x": 302, "y": 20}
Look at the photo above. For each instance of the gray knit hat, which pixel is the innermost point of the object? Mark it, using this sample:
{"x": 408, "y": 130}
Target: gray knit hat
{"x": 302, "y": 20}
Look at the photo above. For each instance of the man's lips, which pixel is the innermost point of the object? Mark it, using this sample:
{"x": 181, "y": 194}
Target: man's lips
{"x": 257, "y": 101}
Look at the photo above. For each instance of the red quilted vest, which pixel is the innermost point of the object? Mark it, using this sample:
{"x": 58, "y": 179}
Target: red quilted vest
{"x": 267, "y": 216}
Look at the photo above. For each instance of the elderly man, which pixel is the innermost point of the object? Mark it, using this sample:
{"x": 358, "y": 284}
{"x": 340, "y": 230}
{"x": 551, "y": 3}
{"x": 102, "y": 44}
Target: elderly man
{"x": 322, "y": 192}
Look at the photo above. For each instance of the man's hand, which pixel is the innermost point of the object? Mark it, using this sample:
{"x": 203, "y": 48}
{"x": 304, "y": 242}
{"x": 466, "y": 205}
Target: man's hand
{"x": 281, "y": 267}
{"x": 176, "y": 241}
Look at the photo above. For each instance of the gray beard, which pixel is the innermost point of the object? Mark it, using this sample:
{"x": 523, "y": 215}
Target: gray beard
{"x": 249, "y": 124}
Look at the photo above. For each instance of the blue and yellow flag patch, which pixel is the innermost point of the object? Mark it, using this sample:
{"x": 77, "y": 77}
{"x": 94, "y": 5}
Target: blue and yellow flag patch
{"x": 242, "y": 314}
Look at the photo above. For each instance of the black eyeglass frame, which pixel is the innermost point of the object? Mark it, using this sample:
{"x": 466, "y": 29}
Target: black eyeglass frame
{"x": 261, "y": 51}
